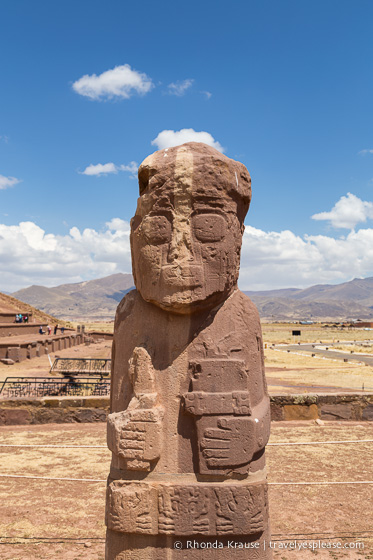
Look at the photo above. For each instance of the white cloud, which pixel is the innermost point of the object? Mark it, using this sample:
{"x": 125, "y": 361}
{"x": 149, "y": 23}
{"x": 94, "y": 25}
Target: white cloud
{"x": 170, "y": 138}
{"x": 120, "y": 82}
{"x": 364, "y": 152}
{"x": 6, "y": 182}
{"x": 4, "y": 139}
{"x": 282, "y": 259}
{"x": 179, "y": 88}
{"x": 29, "y": 255}
{"x": 132, "y": 168}
{"x": 207, "y": 93}
{"x": 100, "y": 169}
{"x": 104, "y": 168}
{"x": 347, "y": 212}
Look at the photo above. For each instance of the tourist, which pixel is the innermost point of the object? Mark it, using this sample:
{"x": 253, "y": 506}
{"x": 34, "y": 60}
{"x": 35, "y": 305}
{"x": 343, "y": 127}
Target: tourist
{"x": 49, "y": 330}
{"x": 41, "y": 330}
{"x": 55, "y": 329}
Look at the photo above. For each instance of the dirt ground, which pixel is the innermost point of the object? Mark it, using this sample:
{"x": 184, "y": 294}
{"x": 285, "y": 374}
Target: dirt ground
{"x": 45, "y": 519}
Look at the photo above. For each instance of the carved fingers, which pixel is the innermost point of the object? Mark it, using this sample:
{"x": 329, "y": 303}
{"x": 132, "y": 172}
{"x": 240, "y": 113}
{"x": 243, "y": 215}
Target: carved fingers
{"x": 136, "y": 435}
{"x": 231, "y": 443}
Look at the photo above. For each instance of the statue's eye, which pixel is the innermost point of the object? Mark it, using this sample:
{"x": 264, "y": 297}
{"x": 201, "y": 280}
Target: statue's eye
{"x": 209, "y": 227}
{"x": 157, "y": 229}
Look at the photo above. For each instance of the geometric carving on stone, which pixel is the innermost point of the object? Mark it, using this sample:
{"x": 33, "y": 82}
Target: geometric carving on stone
{"x": 190, "y": 509}
{"x": 184, "y": 510}
{"x": 225, "y": 442}
{"x": 240, "y": 510}
{"x": 133, "y": 508}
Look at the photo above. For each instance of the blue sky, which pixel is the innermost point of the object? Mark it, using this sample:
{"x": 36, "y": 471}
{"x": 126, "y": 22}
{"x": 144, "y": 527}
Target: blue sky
{"x": 285, "y": 87}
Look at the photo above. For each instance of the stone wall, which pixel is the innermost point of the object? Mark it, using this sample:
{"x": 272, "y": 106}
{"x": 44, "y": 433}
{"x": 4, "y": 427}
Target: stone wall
{"x": 17, "y": 329}
{"x": 10, "y": 317}
{"x": 95, "y": 409}
{"x": 53, "y": 410}
{"x": 347, "y": 406}
{"x": 36, "y": 348}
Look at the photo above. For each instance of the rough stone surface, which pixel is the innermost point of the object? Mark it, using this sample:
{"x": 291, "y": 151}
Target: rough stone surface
{"x": 189, "y": 405}
{"x": 14, "y": 417}
{"x": 7, "y": 361}
{"x": 303, "y": 412}
{"x": 368, "y": 413}
{"x": 337, "y": 412}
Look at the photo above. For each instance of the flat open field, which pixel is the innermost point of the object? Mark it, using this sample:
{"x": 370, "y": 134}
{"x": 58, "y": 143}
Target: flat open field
{"x": 302, "y": 373}
{"x": 293, "y": 373}
{"x": 281, "y": 333}
{"x": 66, "y": 517}
{"x": 274, "y": 332}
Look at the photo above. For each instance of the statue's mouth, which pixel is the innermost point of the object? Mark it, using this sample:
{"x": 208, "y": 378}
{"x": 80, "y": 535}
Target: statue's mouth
{"x": 182, "y": 276}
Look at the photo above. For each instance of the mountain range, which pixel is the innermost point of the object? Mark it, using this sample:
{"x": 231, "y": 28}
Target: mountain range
{"x": 94, "y": 300}
{"x": 97, "y": 300}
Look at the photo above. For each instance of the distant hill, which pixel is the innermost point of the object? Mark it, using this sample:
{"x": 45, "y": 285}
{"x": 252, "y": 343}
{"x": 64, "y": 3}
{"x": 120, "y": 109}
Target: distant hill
{"x": 350, "y": 300}
{"x": 95, "y": 300}
{"x": 9, "y": 304}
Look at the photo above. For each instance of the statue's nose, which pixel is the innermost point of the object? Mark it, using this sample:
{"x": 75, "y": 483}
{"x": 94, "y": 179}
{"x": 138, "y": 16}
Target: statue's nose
{"x": 181, "y": 244}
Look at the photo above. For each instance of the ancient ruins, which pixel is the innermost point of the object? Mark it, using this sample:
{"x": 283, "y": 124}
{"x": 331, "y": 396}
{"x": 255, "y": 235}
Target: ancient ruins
{"x": 189, "y": 406}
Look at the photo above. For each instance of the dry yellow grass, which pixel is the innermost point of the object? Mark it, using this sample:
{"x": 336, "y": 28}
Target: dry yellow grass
{"x": 102, "y": 326}
{"x": 364, "y": 348}
{"x": 280, "y": 333}
{"x": 305, "y": 370}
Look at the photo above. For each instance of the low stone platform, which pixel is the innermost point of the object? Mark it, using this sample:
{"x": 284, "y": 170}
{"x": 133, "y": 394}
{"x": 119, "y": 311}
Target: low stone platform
{"x": 10, "y": 316}
{"x": 20, "y": 329}
{"x": 353, "y": 407}
{"x": 325, "y": 406}
{"x": 19, "y": 348}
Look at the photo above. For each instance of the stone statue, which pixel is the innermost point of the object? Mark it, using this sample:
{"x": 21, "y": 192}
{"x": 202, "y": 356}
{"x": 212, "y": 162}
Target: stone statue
{"x": 189, "y": 405}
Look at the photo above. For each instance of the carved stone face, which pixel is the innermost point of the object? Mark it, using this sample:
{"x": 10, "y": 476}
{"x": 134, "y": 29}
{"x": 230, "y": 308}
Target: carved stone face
{"x": 187, "y": 231}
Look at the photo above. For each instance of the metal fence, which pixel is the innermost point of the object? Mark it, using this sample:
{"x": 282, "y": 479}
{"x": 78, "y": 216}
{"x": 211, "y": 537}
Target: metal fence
{"x": 18, "y": 387}
{"x": 77, "y": 366}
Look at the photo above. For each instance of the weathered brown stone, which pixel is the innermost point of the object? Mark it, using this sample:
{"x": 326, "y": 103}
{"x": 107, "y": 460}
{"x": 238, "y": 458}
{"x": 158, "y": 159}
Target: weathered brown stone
{"x": 277, "y": 412}
{"x": 336, "y": 411}
{"x": 368, "y": 413}
{"x": 7, "y": 361}
{"x": 14, "y": 417}
{"x": 304, "y": 412}
{"x": 189, "y": 406}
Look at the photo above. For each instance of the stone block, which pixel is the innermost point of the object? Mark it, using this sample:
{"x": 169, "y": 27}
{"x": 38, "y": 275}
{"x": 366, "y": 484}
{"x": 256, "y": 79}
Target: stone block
{"x": 300, "y": 412}
{"x": 7, "y": 361}
{"x": 342, "y": 411}
{"x": 367, "y": 413}
{"x": 14, "y": 416}
{"x": 277, "y": 412}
